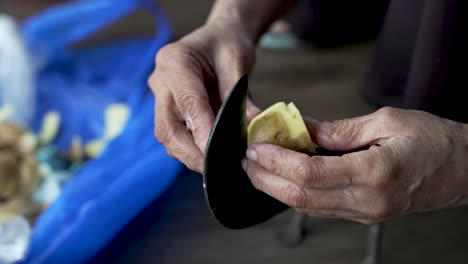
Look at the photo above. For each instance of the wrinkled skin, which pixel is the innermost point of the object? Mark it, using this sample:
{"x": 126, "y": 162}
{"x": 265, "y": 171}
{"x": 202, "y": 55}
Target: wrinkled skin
{"x": 417, "y": 162}
{"x": 191, "y": 79}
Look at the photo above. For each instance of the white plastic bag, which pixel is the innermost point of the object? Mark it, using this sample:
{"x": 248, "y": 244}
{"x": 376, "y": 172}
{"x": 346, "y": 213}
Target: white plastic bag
{"x": 17, "y": 90}
{"x": 14, "y": 240}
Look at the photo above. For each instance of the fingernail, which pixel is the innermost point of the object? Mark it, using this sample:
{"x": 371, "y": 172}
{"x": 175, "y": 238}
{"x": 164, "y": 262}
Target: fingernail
{"x": 252, "y": 154}
{"x": 244, "y": 164}
{"x": 189, "y": 123}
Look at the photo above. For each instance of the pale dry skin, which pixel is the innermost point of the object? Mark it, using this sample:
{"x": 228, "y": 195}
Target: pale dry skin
{"x": 194, "y": 75}
{"x": 281, "y": 125}
{"x": 416, "y": 163}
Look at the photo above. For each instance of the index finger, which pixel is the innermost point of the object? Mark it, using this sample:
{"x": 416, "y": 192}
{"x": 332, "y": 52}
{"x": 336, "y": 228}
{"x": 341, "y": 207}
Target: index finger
{"x": 192, "y": 102}
{"x": 317, "y": 172}
{"x": 174, "y": 136}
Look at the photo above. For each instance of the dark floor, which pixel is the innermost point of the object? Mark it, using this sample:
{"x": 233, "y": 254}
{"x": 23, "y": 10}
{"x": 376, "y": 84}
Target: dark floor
{"x": 180, "y": 229}
{"x": 325, "y": 85}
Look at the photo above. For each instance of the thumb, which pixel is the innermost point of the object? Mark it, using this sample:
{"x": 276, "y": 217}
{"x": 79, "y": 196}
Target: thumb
{"x": 343, "y": 135}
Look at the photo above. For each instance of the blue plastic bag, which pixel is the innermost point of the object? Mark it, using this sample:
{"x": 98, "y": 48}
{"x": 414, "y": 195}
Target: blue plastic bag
{"x": 134, "y": 170}
{"x": 73, "y": 80}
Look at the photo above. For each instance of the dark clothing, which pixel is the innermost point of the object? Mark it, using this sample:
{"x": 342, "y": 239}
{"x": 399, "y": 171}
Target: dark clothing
{"x": 332, "y": 23}
{"x": 421, "y": 54}
{"x": 421, "y": 58}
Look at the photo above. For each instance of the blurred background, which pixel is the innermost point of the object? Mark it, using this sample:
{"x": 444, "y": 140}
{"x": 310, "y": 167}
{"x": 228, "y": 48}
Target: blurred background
{"x": 325, "y": 83}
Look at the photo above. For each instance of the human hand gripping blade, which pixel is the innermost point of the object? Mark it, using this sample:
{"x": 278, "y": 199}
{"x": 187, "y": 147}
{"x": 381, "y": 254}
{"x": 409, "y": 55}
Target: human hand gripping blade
{"x": 232, "y": 198}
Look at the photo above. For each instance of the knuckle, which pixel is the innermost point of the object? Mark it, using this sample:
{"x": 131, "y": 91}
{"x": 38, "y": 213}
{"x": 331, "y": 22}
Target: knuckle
{"x": 339, "y": 128}
{"x": 271, "y": 163}
{"x": 167, "y": 54}
{"x": 317, "y": 175}
{"x": 298, "y": 167}
{"x": 189, "y": 103}
{"x": 189, "y": 159}
{"x": 162, "y": 57}
{"x": 283, "y": 155}
{"x": 295, "y": 197}
{"x": 257, "y": 182}
{"x": 387, "y": 113}
{"x": 279, "y": 162}
{"x": 163, "y": 133}
{"x": 352, "y": 197}
{"x": 174, "y": 55}
{"x": 343, "y": 126}
{"x": 301, "y": 172}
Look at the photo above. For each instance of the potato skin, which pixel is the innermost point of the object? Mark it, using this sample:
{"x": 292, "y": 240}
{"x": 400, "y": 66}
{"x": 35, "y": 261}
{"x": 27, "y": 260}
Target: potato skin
{"x": 273, "y": 126}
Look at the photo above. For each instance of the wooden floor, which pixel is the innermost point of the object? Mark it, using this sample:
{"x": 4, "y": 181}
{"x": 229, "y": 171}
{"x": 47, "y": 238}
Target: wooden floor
{"x": 325, "y": 85}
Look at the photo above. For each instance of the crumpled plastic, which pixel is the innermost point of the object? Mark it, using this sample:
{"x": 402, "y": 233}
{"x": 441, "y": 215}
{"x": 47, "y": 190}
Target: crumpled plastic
{"x": 17, "y": 75}
{"x": 133, "y": 169}
{"x": 14, "y": 239}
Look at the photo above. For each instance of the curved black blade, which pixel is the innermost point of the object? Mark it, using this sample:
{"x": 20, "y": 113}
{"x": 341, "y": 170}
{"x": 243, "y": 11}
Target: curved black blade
{"x": 233, "y": 200}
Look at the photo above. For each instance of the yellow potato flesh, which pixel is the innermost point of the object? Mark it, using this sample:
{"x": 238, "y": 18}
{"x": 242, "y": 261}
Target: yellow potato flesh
{"x": 281, "y": 125}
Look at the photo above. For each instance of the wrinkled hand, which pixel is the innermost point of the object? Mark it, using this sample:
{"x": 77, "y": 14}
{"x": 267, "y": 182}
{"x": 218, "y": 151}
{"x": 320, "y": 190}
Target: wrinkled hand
{"x": 191, "y": 79}
{"x": 417, "y": 162}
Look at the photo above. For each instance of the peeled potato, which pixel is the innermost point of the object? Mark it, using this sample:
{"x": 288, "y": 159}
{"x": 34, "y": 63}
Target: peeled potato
{"x": 50, "y": 127}
{"x": 95, "y": 148}
{"x": 281, "y": 125}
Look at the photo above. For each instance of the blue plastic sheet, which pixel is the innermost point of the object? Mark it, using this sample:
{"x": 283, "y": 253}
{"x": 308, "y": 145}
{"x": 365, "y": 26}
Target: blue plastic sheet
{"x": 134, "y": 170}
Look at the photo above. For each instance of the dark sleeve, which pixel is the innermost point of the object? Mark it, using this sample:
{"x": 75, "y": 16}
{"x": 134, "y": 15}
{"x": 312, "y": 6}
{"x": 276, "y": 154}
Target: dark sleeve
{"x": 438, "y": 76}
{"x": 421, "y": 58}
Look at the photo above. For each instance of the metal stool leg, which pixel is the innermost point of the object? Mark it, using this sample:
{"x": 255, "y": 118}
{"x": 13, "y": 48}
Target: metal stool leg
{"x": 293, "y": 233}
{"x": 374, "y": 244}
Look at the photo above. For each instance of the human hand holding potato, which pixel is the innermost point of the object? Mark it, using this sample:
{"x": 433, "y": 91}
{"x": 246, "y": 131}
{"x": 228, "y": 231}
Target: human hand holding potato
{"x": 416, "y": 163}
